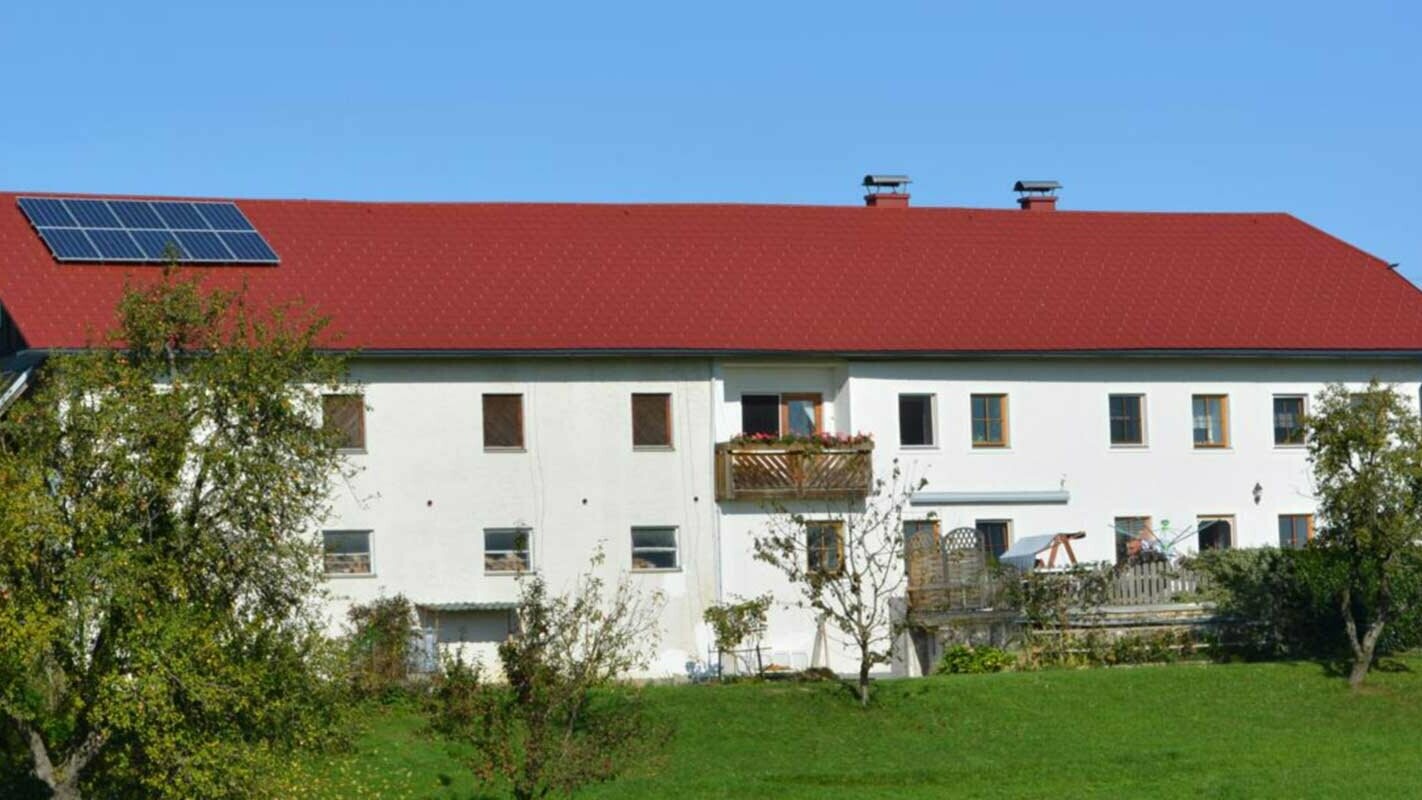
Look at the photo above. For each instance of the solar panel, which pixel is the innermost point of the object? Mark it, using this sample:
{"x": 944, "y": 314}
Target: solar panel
{"x": 89, "y": 229}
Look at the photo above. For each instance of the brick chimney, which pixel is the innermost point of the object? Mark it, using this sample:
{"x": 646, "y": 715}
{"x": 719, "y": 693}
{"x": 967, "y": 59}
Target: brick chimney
{"x": 886, "y": 191}
{"x": 1037, "y": 195}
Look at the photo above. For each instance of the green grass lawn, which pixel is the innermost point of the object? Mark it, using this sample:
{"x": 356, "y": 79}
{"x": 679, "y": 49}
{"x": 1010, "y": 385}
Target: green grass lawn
{"x": 1247, "y": 730}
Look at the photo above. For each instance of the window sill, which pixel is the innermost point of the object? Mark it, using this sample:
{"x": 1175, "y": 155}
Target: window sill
{"x": 1291, "y": 448}
{"x": 992, "y": 448}
{"x": 656, "y": 571}
{"x": 351, "y": 451}
{"x": 505, "y": 450}
{"x": 653, "y": 448}
{"x": 918, "y": 448}
{"x": 1130, "y": 448}
{"x": 1212, "y": 448}
{"x": 508, "y": 574}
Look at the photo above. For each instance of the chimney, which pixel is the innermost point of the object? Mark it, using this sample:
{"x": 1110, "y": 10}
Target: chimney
{"x": 1037, "y": 195}
{"x": 886, "y": 191}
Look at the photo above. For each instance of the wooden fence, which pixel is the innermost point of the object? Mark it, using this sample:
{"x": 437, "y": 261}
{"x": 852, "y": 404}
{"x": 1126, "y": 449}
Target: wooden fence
{"x": 1151, "y": 583}
{"x": 942, "y": 580}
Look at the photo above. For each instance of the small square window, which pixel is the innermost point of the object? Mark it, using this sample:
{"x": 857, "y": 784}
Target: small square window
{"x": 1131, "y": 537}
{"x": 996, "y": 535}
{"x": 1216, "y": 533}
{"x": 1127, "y": 419}
{"x": 824, "y": 548}
{"x": 916, "y": 420}
{"x": 346, "y": 552}
{"x": 654, "y": 549}
{"x": 344, "y": 416}
{"x": 651, "y": 420}
{"x": 989, "y": 412}
{"x": 507, "y": 550}
{"x": 1295, "y": 530}
{"x": 1211, "y": 420}
{"x": 1288, "y": 420}
{"x": 503, "y": 421}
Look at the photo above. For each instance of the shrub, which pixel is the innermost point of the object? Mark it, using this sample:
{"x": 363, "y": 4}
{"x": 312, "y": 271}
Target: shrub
{"x": 965, "y": 659}
{"x": 382, "y": 642}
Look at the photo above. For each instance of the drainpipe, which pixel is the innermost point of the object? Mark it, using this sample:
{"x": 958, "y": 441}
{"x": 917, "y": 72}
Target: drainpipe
{"x": 711, "y": 375}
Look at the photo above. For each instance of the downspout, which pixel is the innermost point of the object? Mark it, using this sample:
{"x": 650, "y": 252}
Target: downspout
{"x": 715, "y": 506}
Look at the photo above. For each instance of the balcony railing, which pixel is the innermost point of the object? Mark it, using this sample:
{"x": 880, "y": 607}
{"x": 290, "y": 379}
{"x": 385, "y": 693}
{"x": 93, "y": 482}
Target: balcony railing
{"x": 769, "y": 472}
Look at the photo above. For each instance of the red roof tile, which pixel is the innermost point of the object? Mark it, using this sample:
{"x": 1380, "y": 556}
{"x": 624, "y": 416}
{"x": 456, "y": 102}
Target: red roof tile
{"x": 496, "y": 276}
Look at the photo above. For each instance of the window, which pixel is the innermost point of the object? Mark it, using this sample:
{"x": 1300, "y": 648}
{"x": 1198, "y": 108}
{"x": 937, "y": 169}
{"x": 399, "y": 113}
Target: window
{"x": 1130, "y": 533}
{"x": 344, "y": 414}
{"x": 1127, "y": 418}
{"x": 916, "y": 420}
{"x": 654, "y": 548}
{"x": 1211, "y": 412}
{"x": 651, "y": 420}
{"x": 824, "y": 547}
{"x": 1288, "y": 420}
{"x": 1216, "y": 533}
{"x": 775, "y": 414}
{"x": 1295, "y": 530}
{"x": 346, "y": 552}
{"x": 915, "y": 528}
{"x": 503, "y": 421}
{"x": 996, "y": 535}
{"x": 989, "y": 420}
{"x": 507, "y": 550}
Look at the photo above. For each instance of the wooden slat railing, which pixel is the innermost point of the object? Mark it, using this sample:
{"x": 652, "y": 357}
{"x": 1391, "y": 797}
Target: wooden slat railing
{"x": 756, "y": 472}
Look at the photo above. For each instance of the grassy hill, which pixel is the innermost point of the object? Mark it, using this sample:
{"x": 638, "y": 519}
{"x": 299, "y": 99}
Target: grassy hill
{"x": 1192, "y": 730}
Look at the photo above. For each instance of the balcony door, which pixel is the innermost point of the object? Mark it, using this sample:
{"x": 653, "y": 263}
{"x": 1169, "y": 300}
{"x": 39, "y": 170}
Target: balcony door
{"x": 782, "y": 414}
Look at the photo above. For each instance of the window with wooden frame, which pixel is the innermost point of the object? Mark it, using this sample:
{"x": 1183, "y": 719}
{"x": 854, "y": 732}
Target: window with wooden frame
{"x": 824, "y": 548}
{"x": 654, "y": 548}
{"x": 1215, "y": 533}
{"x": 508, "y": 550}
{"x": 346, "y": 553}
{"x": 651, "y": 421}
{"x": 1211, "y": 419}
{"x": 1295, "y": 530}
{"x": 344, "y": 416}
{"x": 1127, "y": 413}
{"x": 1130, "y": 537}
{"x": 915, "y": 528}
{"x": 1288, "y": 420}
{"x": 782, "y": 414}
{"x": 916, "y": 420}
{"x": 503, "y": 421}
{"x": 989, "y": 414}
{"x": 996, "y": 535}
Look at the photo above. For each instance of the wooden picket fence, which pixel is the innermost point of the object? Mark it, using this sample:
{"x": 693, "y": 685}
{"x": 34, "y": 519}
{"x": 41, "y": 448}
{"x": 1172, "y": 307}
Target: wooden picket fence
{"x": 1152, "y": 583}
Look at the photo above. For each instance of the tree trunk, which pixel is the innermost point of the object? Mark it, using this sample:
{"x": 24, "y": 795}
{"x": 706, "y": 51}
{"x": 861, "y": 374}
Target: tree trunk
{"x": 863, "y": 684}
{"x": 1363, "y": 656}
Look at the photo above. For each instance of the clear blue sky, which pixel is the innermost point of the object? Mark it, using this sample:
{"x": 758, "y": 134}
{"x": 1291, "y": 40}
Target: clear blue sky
{"x": 1311, "y": 108}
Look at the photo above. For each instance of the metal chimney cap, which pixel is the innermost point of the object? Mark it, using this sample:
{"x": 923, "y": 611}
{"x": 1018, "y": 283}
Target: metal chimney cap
{"x": 1036, "y": 186}
{"x": 890, "y": 181}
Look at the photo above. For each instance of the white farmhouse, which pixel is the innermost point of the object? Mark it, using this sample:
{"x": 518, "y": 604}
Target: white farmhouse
{"x": 538, "y": 379}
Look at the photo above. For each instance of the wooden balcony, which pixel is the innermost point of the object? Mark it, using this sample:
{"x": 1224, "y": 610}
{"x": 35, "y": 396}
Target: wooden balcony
{"x": 754, "y": 472}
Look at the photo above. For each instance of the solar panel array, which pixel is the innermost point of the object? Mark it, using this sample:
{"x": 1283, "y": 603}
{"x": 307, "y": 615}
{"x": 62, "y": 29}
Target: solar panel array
{"x": 146, "y": 231}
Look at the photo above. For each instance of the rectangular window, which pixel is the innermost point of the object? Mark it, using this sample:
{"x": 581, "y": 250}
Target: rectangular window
{"x": 654, "y": 548}
{"x": 1127, "y": 418}
{"x": 651, "y": 420}
{"x": 344, "y": 415}
{"x": 916, "y": 420}
{"x": 800, "y": 414}
{"x": 503, "y": 421}
{"x": 507, "y": 550}
{"x": 1295, "y": 530}
{"x": 996, "y": 535}
{"x": 916, "y": 528}
{"x": 760, "y": 413}
{"x": 989, "y": 420}
{"x": 1216, "y": 533}
{"x": 1288, "y": 420}
{"x": 1130, "y": 537}
{"x": 824, "y": 547}
{"x": 346, "y": 552}
{"x": 1211, "y": 417}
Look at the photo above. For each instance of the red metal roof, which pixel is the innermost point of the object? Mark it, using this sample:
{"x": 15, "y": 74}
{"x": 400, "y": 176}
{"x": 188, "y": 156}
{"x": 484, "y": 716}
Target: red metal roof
{"x": 499, "y": 276}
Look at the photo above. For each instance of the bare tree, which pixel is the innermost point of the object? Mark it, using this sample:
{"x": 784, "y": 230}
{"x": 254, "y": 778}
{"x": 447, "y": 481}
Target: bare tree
{"x": 848, "y": 563}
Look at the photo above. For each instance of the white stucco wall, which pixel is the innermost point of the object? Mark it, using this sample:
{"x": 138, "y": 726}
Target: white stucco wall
{"x": 427, "y": 488}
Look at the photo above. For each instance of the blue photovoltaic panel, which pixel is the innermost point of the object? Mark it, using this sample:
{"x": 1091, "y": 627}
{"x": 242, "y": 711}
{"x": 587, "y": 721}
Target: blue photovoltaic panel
{"x": 155, "y": 245}
{"x": 136, "y": 214}
{"x": 181, "y": 216}
{"x": 224, "y": 216}
{"x": 89, "y": 229}
{"x": 114, "y": 245}
{"x": 92, "y": 213}
{"x": 204, "y": 245}
{"x": 69, "y": 243}
{"x": 247, "y": 246}
{"x": 47, "y": 213}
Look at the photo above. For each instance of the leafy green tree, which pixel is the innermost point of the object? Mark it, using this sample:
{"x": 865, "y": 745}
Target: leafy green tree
{"x": 158, "y": 630}
{"x": 1366, "y": 450}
